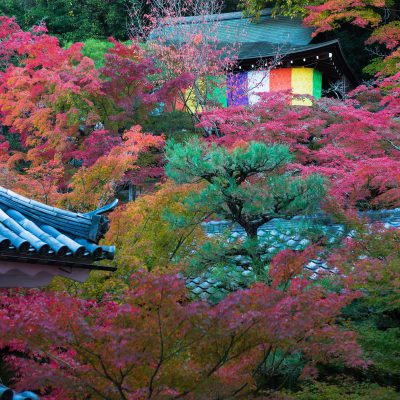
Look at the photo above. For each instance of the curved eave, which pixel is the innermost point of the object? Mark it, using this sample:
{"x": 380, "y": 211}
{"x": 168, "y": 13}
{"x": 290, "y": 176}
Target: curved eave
{"x": 55, "y": 262}
{"x": 30, "y": 273}
{"x": 345, "y": 65}
{"x": 335, "y": 65}
{"x": 87, "y": 226}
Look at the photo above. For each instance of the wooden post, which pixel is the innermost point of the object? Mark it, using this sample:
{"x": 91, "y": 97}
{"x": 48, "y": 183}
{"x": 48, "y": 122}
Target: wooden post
{"x": 131, "y": 192}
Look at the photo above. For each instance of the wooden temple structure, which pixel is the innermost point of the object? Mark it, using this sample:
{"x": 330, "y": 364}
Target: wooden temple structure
{"x": 39, "y": 242}
{"x": 299, "y": 63}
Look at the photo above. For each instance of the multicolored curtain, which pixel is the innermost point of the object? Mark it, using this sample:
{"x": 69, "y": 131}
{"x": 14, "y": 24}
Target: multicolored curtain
{"x": 244, "y": 88}
{"x": 213, "y": 89}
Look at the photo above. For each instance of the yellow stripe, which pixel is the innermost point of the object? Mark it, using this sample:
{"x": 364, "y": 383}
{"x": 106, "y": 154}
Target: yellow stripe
{"x": 302, "y": 83}
{"x": 192, "y": 100}
{"x": 302, "y": 80}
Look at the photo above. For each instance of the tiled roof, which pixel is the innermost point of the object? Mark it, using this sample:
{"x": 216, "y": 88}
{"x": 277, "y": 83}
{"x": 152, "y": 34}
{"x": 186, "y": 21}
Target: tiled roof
{"x": 278, "y": 235}
{"x": 228, "y": 27}
{"x": 8, "y": 394}
{"x": 33, "y": 234}
{"x": 255, "y": 38}
{"x": 266, "y": 37}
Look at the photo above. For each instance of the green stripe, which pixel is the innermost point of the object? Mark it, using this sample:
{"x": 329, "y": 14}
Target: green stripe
{"x": 317, "y": 84}
{"x": 218, "y": 92}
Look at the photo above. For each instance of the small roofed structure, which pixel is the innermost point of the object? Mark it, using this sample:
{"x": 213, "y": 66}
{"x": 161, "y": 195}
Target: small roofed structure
{"x": 39, "y": 242}
{"x": 274, "y": 53}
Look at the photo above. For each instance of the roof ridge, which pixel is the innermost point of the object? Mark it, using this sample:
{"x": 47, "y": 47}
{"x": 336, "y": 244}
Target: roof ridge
{"x": 90, "y": 225}
{"x": 372, "y": 215}
{"x": 20, "y": 198}
{"x": 230, "y": 16}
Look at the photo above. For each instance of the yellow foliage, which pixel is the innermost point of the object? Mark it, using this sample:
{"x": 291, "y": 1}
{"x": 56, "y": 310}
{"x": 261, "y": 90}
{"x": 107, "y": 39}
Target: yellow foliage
{"x": 94, "y": 186}
{"x": 146, "y": 237}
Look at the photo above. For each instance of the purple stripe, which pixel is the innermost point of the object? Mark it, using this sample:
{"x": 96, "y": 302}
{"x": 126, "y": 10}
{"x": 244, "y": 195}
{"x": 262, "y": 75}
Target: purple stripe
{"x": 237, "y": 89}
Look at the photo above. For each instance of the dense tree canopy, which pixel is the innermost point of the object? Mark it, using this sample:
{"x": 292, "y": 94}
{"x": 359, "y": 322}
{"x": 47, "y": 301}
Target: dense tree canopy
{"x": 94, "y": 19}
{"x": 248, "y": 186}
{"x": 83, "y": 123}
{"x": 71, "y": 20}
{"x": 60, "y": 113}
{"x": 157, "y": 344}
{"x": 353, "y": 142}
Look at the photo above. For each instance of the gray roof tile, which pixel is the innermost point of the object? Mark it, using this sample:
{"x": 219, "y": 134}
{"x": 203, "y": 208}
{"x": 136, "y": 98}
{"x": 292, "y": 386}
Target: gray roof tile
{"x": 253, "y": 40}
{"x": 197, "y": 290}
{"x": 32, "y": 229}
{"x": 281, "y": 234}
{"x": 233, "y": 27}
{"x": 205, "y": 285}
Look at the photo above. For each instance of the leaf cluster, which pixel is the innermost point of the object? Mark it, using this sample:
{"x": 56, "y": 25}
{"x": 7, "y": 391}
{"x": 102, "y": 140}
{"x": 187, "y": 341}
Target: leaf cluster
{"x": 155, "y": 344}
{"x": 249, "y": 185}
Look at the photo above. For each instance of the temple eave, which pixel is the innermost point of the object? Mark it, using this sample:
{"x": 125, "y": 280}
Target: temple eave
{"x": 31, "y": 273}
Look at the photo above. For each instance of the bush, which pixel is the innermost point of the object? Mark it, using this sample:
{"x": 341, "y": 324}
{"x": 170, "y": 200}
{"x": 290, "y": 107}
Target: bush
{"x": 324, "y": 391}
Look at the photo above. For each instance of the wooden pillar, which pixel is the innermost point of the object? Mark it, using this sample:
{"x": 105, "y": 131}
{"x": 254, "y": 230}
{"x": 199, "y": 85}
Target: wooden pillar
{"x": 131, "y": 192}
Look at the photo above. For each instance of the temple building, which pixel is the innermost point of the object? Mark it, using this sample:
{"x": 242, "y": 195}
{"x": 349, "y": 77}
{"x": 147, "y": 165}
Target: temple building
{"x": 39, "y": 242}
{"x": 274, "y": 53}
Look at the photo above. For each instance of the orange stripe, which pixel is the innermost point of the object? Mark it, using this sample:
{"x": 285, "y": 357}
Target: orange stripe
{"x": 280, "y": 79}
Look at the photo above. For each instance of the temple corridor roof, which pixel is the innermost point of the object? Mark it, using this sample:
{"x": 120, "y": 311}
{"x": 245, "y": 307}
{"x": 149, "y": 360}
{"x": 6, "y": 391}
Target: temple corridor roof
{"x": 228, "y": 27}
{"x": 34, "y": 235}
{"x": 278, "y": 235}
{"x": 254, "y": 41}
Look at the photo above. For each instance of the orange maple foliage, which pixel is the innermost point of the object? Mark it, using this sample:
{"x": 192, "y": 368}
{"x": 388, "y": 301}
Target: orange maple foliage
{"x": 148, "y": 233}
{"x": 94, "y": 186}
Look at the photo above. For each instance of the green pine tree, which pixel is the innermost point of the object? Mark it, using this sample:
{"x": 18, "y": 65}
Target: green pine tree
{"x": 248, "y": 186}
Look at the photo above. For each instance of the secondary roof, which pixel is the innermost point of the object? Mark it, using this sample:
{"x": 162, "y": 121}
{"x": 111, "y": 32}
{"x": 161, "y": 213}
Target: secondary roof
{"x": 263, "y": 39}
{"x": 234, "y": 27}
{"x": 278, "y": 235}
{"x": 38, "y": 241}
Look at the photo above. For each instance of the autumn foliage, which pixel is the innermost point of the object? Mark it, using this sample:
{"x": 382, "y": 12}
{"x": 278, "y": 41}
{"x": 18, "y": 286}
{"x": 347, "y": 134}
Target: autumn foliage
{"x": 355, "y": 143}
{"x": 376, "y": 15}
{"x": 158, "y": 344}
{"x": 75, "y": 136}
{"x": 58, "y": 109}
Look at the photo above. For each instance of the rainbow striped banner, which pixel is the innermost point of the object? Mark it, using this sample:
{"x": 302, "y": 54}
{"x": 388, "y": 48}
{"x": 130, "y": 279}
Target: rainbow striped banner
{"x": 243, "y": 88}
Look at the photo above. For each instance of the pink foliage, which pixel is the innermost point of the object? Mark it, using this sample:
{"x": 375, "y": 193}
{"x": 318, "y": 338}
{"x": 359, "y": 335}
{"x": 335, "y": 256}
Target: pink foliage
{"x": 157, "y": 342}
{"x": 52, "y": 99}
{"x": 98, "y": 144}
{"x": 355, "y": 143}
{"x": 127, "y": 82}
